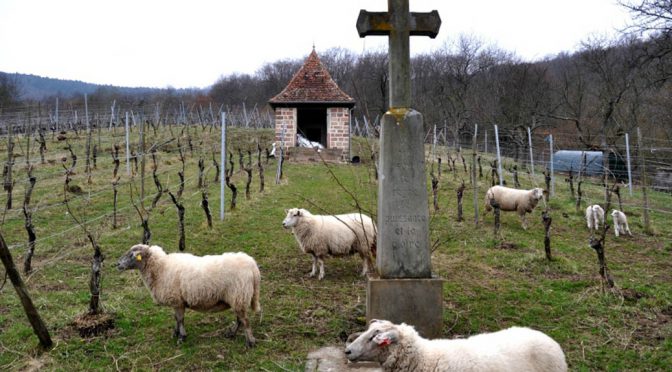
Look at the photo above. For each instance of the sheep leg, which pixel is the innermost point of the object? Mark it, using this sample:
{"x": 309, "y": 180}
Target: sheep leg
{"x": 233, "y": 330}
{"x": 179, "y": 332}
{"x": 627, "y": 229}
{"x": 616, "y": 230}
{"x": 320, "y": 261}
{"x": 250, "y": 341}
{"x": 524, "y": 221}
{"x": 367, "y": 264}
{"x": 314, "y": 270}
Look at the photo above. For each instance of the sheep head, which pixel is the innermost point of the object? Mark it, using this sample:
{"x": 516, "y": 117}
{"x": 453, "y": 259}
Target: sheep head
{"x": 135, "y": 258}
{"x": 537, "y": 193}
{"x": 292, "y": 218}
{"x": 373, "y": 344}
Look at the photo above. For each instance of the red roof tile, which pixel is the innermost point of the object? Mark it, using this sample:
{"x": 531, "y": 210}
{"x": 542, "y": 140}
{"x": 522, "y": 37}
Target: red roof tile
{"x": 312, "y": 84}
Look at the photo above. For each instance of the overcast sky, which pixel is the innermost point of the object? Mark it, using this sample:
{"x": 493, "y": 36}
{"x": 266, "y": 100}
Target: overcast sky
{"x": 192, "y": 43}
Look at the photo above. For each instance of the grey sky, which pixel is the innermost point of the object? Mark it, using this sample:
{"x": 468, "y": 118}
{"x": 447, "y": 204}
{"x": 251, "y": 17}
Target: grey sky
{"x": 192, "y": 43}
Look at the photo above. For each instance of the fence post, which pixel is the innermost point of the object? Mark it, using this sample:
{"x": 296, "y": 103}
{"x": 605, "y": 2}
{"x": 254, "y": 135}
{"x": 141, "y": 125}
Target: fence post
{"x": 485, "y": 141}
{"x": 222, "y": 161}
{"x": 474, "y": 180}
{"x": 642, "y": 176}
{"x": 529, "y": 142}
{"x": 552, "y": 175}
{"x": 434, "y": 146}
{"x": 499, "y": 157}
{"x": 627, "y": 153}
{"x": 128, "y": 154}
{"x": 57, "y": 125}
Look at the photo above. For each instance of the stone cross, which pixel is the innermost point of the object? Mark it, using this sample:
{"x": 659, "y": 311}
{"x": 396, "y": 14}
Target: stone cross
{"x": 403, "y": 213}
{"x": 398, "y": 24}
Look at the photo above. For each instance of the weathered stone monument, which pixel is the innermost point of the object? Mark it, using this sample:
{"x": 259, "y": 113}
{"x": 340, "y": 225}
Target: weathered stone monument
{"x": 405, "y": 291}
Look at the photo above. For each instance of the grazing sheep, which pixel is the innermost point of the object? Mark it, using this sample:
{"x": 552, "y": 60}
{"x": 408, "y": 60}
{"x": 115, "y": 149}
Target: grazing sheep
{"x": 401, "y": 348}
{"x": 594, "y": 216}
{"x": 620, "y": 223}
{"x": 335, "y": 235}
{"x": 521, "y": 201}
{"x": 208, "y": 283}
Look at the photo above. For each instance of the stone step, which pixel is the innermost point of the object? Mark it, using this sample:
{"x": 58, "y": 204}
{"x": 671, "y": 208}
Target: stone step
{"x": 332, "y": 359}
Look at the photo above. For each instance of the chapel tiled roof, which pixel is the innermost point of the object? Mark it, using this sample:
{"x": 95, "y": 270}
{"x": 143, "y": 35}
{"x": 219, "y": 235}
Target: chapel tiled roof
{"x": 312, "y": 84}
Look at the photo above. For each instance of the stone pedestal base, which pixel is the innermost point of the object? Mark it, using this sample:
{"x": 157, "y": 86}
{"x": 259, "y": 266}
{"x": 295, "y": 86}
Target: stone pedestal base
{"x": 418, "y": 302}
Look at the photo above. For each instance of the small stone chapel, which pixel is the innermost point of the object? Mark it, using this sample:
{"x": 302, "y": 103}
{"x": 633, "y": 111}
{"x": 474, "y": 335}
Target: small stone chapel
{"x": 314, "y": 106}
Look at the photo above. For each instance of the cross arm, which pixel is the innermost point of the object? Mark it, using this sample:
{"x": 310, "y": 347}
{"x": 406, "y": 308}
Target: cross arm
{"x": 380, "y": 23}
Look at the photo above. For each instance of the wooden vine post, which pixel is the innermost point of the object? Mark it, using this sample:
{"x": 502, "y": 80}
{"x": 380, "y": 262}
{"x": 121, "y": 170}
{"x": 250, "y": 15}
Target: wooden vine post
{"x": 547, "y": 220}
{"x": 496, "y": 212}
{"x": 260, "y": 167}
{"x": 96, "y": 262}
{"x": 34, "y": 318}
{"x": 180, "y": 215}
{"x": 516, "y": 182}
{"x": 460, "y": 194}
{"x": 248, "y": 170}
{"x": 28, "y": 224}
{"x": 8, "y": 183}
{"x": 435, "y": 191}
{"x": 115, "y": 183}
{"x": 597, "y": 243}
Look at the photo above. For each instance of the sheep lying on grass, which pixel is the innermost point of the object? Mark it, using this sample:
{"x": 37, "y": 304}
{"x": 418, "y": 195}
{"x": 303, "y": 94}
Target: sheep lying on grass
{"x": 594, "y": 216}
{"x": 335, "y": 235}
{"x": 401, "y": 348}
{"x": 521, "y": 201}
{"x": 208, "y": 283}
{"x": 620, "y": 223}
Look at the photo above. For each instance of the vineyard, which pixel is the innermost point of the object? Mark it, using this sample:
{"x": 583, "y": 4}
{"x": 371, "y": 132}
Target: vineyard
{"x": 88, "y": 197}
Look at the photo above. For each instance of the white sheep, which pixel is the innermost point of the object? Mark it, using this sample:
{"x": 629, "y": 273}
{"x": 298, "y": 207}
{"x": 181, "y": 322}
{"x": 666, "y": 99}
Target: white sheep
{"x": 335, "y": 235}
{"x": 620, "y": 223}
{"x": 521, "y": 201}
{"x": 594, "y": 216}
{"x": 208, "y": 283}
{"x": 401, "y": 348}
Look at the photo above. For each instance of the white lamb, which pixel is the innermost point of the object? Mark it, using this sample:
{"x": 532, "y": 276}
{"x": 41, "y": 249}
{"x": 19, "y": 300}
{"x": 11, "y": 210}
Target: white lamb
{"x": 594, "y": 216}
{"x": 208, "y": 283}
{"x": 335, "y": 235}
{"x": 620, "y": 223}
{"x": 401, "y": 348}
{"x": 521, "y": 201}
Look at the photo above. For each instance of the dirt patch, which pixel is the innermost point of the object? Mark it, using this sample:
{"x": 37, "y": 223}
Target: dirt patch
{"x": 632, "y": 295}
{"x": 508, "y": 245}
{"x": 653, "y": 330}
{"x": 88, "y": 325}
{"x": 52, "y": 287}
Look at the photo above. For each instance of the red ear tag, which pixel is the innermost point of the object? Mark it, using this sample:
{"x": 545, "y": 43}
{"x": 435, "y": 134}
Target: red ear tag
{"x": 385, "y": 342}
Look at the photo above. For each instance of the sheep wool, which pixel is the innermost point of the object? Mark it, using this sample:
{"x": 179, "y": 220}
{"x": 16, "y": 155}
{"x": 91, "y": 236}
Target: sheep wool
{"x": 207, "y": 283}
{"x": 594, "y": 216}
{"x": 332, "y": 235}
{"x": 620, "y": 223}
{"x": 401, "y": 348}
{"x": 514, "y": 200}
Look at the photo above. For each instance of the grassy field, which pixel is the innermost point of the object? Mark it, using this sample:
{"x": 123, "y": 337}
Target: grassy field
{"x": 487, "y": 287}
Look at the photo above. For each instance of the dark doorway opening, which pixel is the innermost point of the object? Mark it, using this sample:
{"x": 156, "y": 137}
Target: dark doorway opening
{"x": 312, "y": 124}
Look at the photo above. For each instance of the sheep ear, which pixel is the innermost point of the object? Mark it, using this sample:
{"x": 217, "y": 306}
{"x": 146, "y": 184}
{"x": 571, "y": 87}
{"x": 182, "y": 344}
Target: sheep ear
{"x": 286, "y": 210}
{"x": 386, "y": 338}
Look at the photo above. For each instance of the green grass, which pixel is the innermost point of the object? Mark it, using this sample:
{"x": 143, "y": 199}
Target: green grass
{"x": 487, "y": 288}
